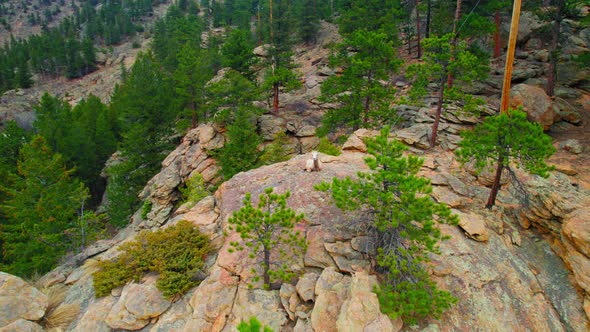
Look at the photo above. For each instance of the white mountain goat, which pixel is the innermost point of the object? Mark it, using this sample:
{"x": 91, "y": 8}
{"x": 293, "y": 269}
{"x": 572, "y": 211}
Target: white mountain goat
{"x": 314, "y": 164}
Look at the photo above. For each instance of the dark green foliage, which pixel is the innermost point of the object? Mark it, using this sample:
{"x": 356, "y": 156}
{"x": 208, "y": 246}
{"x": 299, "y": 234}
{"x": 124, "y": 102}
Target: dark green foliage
{"x": 268, "y": 231}
{"x": 174, "y": 32}
{"x": 240, "y": 153}
{"x": 253, "y": 325}
{"x": 403, "y": 227}
{"x": 308, "y": 20}
{"x": 507, "y": 139}
{"x": 12, "y": 137}
{"x": 237, "y": 52}
{"x": 231, "y": 94}
{"x": 361, "y": 89}
{"x": 193, "y": 72}
{"x": 41, "y": 210}
{"x": 145, "y": 106}
{"x": 371, "y": 15}
{"x": 177, "y": 253}
{"x": 86, "y": 142}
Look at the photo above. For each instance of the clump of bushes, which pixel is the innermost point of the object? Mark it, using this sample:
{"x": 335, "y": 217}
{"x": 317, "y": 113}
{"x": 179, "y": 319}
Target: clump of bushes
{"x": 177, "y": 253}
{"x": 195, "y": 190}
{"x": 328, "y": 147}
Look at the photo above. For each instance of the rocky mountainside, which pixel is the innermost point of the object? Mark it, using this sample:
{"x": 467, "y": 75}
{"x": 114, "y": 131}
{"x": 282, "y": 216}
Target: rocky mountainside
{"x": 509, "y": 267}
{"x": 516, "y": 267}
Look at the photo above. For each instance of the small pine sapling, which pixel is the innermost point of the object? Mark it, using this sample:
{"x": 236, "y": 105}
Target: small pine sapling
{"x": 504, "y": 139}
{"x": 441, "y": 59}
{"x": 268, "y": 232}
{"x": 403, "y": 227}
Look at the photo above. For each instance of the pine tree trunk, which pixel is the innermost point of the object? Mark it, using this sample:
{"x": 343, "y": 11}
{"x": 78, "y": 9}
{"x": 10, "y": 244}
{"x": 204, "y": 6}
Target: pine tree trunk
{"x": 193, "y": 113}
{"x": 554, "y": 46}
{"x": 275, "y": 101}
{"x": 266, "y": 276}
{"x": 428, "y": 14}
{"x": 418, "y": 27}
{"x": 455, "y": 37}
{"x": 367, "y": 106}
{"x": 496, "y": 184}
{"x": 497, "y": 34}
{"x": 441, "y": 94}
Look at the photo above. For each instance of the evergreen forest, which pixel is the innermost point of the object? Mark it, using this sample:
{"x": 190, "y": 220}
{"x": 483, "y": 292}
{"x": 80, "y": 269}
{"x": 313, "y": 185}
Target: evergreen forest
{"x": 76, "y": 176}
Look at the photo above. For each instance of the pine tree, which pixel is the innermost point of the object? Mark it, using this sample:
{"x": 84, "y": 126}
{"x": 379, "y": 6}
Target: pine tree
{"x": 41, "y": 208}
{"x": 269, "y": 229}
{"x": 503, "y": 140}
{"x": 403, "y": 226}
{"x": 360, "y": 89}
{"x": 23, "y": 75}
{"x": 237, "y": 52}
{"x": 441, "y": 60}
{"x": 145, "y": 108}
{"x": 191, "y": 76}
{"x": 231, "y": 94}
{"x": 240, "y": 153}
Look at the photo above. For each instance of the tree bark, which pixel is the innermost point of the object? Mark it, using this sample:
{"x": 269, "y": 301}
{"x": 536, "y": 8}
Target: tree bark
{"x": 428, "y": 14}
{"x": 496, "y": 184}
{"x": 510, "y": 57}
{"x": 554, "y": 46}
{"x": 455, "y": 37}
{"x": 441, "y": 93}
{"x": 193, "y": 114}
{"x": 367, "y": 105}
{"x": 266, "y": 276}
{"x": 497, "y": 34}
{"x": 418, "y": 28}
{"x": 275, "y": 100}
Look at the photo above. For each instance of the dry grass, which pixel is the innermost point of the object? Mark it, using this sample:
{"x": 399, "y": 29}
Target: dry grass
{"x": 58, "y": 315}
{"x": 59, "y": 318}
{"x": 91, "y": 265}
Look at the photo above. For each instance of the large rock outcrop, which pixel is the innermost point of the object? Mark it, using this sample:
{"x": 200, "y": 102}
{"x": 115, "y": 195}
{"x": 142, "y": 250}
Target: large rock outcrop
{"x": 535, "y": 102}
{"x": 19, "y": 301}
{"x": 512, "y": 274}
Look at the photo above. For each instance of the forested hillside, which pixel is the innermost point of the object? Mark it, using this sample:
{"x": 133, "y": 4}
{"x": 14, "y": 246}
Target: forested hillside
{"x": 259, "y": 82}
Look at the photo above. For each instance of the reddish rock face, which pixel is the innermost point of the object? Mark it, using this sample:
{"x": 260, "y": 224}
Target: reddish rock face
{"x": 535, "y": 102}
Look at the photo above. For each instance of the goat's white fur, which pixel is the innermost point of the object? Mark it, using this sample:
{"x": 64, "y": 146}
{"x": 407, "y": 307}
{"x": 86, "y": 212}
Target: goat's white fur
{"x": 314, "y": 164}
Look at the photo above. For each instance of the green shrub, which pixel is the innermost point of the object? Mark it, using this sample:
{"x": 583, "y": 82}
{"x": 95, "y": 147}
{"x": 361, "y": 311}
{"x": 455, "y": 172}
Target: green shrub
{"x": 253, "y": 325}
{"x": 328, "y": 147}
{"x": 146, "y": 208}
{"x": 275, "y": 152}
{"x": 176, "y": 253}
{"x": 195, "y": 190}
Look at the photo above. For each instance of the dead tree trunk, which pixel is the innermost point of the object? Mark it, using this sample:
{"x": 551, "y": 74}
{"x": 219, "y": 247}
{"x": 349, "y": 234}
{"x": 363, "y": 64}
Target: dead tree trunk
{"x": 497, "y": 34}
{"x": 554, "y": 48}
{"x": 441, "y": 94}
{"x": 418, "y": 28}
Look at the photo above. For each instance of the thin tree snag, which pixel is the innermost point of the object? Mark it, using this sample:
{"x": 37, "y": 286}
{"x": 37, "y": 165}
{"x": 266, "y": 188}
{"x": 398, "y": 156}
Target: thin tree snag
{"x": 441, "y": 94}
{"x": 455, "y": 37}
{"x": 554, "y": 45}
{"x": 418, "y": 27}
{"x": 510, "y": 57}
{"x": 428, "y": 14}
{"x": 498, "y": 22}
